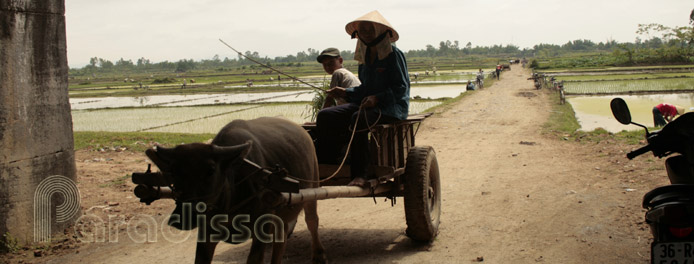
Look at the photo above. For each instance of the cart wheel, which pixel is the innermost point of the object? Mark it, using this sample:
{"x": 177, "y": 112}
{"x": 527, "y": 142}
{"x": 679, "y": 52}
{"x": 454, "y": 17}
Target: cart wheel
{"x": 422, "y": 194}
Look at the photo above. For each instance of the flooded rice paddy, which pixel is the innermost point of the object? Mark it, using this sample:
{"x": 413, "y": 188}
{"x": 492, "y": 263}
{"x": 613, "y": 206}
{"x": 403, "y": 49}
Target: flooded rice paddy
{"x": 194, "y": 119}
{"x": 590, "y": 92}
{"x": 207, "y": 113}
{"x": 594, "y": 111}
{"x": 425, "y": 91}
{"x": 624, "y": 86}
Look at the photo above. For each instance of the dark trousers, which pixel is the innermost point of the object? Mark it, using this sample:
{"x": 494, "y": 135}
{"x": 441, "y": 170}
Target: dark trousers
{"x": 333, "y": 132}
{"x": 658, "y": 119}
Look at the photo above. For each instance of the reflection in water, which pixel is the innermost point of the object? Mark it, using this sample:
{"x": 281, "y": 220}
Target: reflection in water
{"x": 425, "y": 91}
{"x": 594, "y": 111}
{"x": 437, "y": 91}
{"x": 193, "y": 119}
{"x": 141, "y": 100}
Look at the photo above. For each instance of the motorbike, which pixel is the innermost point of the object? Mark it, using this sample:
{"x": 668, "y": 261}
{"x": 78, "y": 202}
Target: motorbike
{"x": 670, "y": 208}
{"x": 536, "y": 78}
{"x": 479, "y": 80}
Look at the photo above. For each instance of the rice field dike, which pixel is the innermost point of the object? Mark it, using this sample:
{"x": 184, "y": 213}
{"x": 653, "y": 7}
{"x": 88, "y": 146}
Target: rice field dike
{"x": 625, "y": 80}
{"x": 203, "y": 100}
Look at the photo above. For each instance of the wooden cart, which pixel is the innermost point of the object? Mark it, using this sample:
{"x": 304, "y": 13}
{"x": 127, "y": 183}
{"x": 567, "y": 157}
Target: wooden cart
{"x": 402, "y": 169}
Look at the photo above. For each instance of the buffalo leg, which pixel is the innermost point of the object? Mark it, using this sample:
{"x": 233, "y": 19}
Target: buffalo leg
{"x": 311, "y": 217}
{"x": 204, "y": 252}
{"x": 278, "y": 251}
{"x": 288, "y": 217}
{"x": 257, "y": 252}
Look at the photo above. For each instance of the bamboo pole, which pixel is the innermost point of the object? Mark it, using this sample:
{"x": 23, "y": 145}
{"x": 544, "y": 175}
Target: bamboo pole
{"x": 330, "y": 192}
{"x": 271, "y": 68}
{"x": 304, "y": 195}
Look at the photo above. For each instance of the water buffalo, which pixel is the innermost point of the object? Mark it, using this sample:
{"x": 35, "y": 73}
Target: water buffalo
{"x": 210, "y": 178}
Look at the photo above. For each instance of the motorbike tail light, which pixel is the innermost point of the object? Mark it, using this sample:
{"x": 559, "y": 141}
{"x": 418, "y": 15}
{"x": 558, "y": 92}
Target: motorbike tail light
{"x": 680, "y": 232}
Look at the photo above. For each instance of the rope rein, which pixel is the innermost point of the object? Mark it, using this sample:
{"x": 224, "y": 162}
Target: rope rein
{"x": 369, "y": 128}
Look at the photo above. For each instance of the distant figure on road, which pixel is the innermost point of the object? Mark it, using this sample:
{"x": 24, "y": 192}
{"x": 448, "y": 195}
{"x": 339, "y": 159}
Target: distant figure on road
{"x": 498, "y": 71}
{"x": 470, "y": 86}
{"x": 480, "y": 79}
{"x": 664, "y": 113}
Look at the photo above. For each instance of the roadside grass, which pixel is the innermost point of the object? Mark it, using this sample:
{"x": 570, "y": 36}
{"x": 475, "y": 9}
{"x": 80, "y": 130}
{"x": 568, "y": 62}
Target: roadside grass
{"x": 488, "y": 82}
{"x": 9, "y": 244}
{"x": 133, "y": 141}
{"x": 117, "y": 181}
{"x": 563, "y": 125}
{"x": 562, "y": 120}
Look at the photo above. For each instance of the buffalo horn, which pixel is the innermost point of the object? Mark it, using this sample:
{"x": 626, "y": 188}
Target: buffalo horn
{"x": 158, "y": 155}
{"x": 232, "y": 151}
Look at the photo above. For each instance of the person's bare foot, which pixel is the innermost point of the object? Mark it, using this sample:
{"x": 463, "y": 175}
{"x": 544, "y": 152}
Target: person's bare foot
{"x": 358, "y": 181}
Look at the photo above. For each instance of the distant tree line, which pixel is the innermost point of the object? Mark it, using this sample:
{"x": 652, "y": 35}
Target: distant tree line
{"x": 97, "y": 64}
{"x": 674, "y": 45}
{"x": 662, "y": 45}
{"x": 453, "y": 49}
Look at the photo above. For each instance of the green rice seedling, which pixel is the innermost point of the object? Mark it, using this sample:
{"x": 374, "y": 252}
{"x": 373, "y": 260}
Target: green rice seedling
{"x": 417, "y": 107}
{"x": 609, "y": 87}
{"x": 201, "y": 119}
{"x": 317, "y": 102}
{"x": 138, "y": 119}
{"x": 291, "y": 112}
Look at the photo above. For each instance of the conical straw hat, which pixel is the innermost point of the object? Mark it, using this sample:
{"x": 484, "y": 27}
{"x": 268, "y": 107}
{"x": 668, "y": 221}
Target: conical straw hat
{"x": 375, "y": 17}
{"x": 680, "y": 110}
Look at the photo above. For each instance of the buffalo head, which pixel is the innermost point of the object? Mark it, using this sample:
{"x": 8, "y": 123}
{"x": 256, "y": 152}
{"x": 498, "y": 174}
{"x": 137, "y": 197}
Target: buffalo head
{"x": 200, "y": 174}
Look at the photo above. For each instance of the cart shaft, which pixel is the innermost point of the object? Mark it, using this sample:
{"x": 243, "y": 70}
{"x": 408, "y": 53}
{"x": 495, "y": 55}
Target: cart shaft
{"x": 330, "y": 192}
{"x": 304, "y": 195}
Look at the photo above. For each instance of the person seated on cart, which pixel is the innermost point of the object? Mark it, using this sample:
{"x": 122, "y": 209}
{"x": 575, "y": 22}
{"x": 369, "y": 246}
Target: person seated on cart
{"x": 382, "y": 97}
{"x": 332, "y": 64}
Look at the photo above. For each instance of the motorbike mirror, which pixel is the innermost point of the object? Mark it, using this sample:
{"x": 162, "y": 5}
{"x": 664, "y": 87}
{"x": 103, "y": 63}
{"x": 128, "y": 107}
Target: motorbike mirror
{"x": 620, "y": 110}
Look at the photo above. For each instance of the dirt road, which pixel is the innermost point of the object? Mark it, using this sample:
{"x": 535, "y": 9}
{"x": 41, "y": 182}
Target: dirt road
{"x": 510, "y": 195}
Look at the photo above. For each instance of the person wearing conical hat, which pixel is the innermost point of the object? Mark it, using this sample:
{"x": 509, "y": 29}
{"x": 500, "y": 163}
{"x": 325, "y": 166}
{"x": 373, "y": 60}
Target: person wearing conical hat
{"x": 383, "y": 95}
{"x": 664, "y": 113}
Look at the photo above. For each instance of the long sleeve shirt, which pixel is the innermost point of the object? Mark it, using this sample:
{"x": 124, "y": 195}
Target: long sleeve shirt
{"x": 389, "y": 81}
{"x": 667, "y": 110}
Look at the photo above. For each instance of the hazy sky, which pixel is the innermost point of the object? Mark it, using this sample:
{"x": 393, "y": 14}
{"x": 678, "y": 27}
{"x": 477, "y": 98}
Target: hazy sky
{"x": 185, "y": 29}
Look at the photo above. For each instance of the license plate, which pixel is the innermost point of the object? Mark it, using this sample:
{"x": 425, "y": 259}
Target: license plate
{"x": 672, "y": 253}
